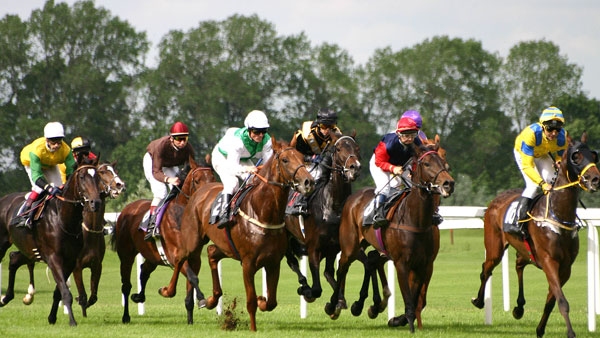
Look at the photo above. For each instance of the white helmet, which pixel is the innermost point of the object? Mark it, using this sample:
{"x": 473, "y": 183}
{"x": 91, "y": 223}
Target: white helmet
{"x": 54, "y": 130}
{"x": 256, "y": 119}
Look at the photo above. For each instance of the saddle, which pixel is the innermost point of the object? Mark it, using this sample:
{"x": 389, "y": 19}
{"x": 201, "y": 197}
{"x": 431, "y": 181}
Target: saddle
{"x": 33, "y": 214}
{"x": 388, "y": 207}
{"x": 236, "y": 201}
{"x": 508, "y": 223}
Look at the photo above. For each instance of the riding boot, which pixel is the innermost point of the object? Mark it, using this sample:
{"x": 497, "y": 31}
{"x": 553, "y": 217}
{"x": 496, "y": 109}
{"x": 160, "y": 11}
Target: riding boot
{"x": 437, "y": 219}
{"x": 521, "y": 213}
{"x": 379, "y": 219}
{"x": 23, "y": 217}
{"x": 225, "y": 215}
{"x": 301, "y": 206}
{"x": 151, "y": 230}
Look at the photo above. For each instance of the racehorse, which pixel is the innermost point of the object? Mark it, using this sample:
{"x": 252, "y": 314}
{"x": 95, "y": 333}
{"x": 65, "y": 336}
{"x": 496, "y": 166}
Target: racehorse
{"x": 375, "y": 265}
{"x": 257, "y": 238}
{"x": 318, "y": 232}
{"x": 94, "y": 246}
{"x": 128, "y": 240}
{"x": 409, "y": 238}
{"x": 56, "y": 238}
{"x": 553, "y": 242}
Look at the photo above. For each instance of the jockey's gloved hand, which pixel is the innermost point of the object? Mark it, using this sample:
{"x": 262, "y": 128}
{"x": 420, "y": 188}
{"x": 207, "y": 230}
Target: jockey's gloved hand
{"x": 316, "y": 159}
{"x": 52, "y": 190}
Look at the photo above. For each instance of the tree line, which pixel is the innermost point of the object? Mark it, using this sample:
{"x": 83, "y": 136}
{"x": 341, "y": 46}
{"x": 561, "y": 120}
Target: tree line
{"x": 86, "y": 68}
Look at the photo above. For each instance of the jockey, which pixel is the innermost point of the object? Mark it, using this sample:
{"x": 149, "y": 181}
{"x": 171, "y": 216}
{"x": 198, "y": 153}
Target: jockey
{"x": 81, "y": 152}
{"x": 161, "y": 165}
{"x": 232, "y": 156}
{"x": 41, "y": 160}
{"x": 415, "y": 116}
{"x": 537, "y": 148}
{"x": 392, "y": 152}
{"x": 311, "y": 140}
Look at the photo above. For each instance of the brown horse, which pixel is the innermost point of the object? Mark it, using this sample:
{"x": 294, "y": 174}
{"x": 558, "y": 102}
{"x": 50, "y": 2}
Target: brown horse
{"x": 408, "y": 240}
{"x": 318, "y": 232}
{"x": 554, "y": 243}
{"x": 128, "y": 240}
{"x": 258, "y": 238}
{"x": 375, "y": 265}
{"x": 94, "y": 246}
{"x": 55, "y": 238}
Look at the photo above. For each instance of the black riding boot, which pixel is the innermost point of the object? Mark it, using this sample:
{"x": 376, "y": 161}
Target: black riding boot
{"x": 225, "y": 215}
{"x": 379, "y": 219}
{"x": 521, "y": 213}
{"x": 301, "y": 206}
{"x": 151, "y": 230}
{"x": 23, "y": 217}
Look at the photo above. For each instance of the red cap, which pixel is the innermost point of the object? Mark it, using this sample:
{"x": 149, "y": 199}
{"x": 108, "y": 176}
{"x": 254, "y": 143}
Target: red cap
{"x": 179, "y": 128}
{"x": 406, "y": 125}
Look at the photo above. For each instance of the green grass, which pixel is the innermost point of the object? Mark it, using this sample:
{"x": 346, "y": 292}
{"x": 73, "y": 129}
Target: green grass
{"x": 449, "y": 312}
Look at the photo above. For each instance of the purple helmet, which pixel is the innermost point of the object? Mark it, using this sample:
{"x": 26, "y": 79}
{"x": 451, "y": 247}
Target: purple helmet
{"x": 415, "y": 116}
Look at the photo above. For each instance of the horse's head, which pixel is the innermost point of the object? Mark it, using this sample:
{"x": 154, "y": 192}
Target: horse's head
{"x": 432, "y": 170}
{"x": 82, "y": 187}
{"x": 287, "y": 167}
{"x": 110, "y": 182}
{"x": 345, "y": 154}
{"x": 197, "y": 176}
{"x": 579, "y": 161}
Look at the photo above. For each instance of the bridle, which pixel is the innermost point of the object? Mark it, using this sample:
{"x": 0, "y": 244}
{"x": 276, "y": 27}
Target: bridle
{"x": 106, "y": 188}
{"x": 289, "y": 182}
{"x": 429, "y": 187}
{"x": 342, "y": 169}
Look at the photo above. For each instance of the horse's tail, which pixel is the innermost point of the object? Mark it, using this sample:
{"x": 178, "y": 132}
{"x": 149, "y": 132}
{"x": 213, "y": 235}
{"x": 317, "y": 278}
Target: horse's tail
{"x": 113, "y": 237}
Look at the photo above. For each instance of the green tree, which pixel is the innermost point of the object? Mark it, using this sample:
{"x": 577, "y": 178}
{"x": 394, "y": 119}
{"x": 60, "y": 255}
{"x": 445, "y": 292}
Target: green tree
{"x": 534, "y": 76}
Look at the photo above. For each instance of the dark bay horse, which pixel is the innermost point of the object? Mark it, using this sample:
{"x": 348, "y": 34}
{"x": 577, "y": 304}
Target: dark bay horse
{"x": 409, "y": 238}
{"x": 128, "y": 240}
{"x": 257, "y": 238}
{"x": 94, "y": 246}
{"x": 375, "y": 266}
{"x": 554, "y": 242}
{"x": 56, "y": 238}
{"x": 318, "y": 232}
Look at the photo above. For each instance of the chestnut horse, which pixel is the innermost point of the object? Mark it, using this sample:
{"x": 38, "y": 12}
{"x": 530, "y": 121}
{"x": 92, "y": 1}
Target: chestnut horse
{"x": 257, "y": 238}
{"x": 318, "y": 232}
{"x": 554, "y": 242}
{"x": 94, "y": 246}
{"x": 409, "y": 238}
{"x": 55, "y": 238}
{"x": 128, "y": 240}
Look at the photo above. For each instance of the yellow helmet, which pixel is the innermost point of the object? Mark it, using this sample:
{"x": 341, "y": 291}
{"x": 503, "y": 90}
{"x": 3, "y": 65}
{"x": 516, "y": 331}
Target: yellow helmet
{"x": 552, "y": 114}
{"x": 80, "y": 143}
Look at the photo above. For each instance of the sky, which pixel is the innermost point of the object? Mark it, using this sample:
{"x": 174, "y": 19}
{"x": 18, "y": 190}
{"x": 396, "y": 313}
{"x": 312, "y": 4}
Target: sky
{"x": 361, "y": 27}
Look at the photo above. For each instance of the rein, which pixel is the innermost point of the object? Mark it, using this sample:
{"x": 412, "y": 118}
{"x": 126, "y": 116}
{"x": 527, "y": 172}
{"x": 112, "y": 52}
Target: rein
{"x": 290, "y": 183}
{"x": 428, "y": 186}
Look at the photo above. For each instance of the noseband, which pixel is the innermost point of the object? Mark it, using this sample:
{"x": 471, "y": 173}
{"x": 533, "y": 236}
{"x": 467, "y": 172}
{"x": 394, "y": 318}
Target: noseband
{"x": 343, "y": 169}
{"x": 107, "y": 187}
{"x": 429, "y": 186}
{"x": 287, "y": 183}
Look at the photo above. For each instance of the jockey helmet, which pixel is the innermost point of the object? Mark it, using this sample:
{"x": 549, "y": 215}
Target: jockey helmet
{"x": 54, "y": 130}
{"x": 415, "y": 116}
{"x": 552, "y": 114}
{"x": 179, "y": 129}
{"x": 406, "y": 125}
{"x": 256, "y": 119}
{"x": 327, "y": 116}
{"x": 80, "y": 144}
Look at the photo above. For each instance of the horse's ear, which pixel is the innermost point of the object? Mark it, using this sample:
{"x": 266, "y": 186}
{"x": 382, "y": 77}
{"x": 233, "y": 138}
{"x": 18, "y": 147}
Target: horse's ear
{"x": 584, "y": 137}
{"x": 437, "y": 139}
{"x": 192, "y": 162}
{"x": 208, "y": 160}
{"x": 353, "y": 133}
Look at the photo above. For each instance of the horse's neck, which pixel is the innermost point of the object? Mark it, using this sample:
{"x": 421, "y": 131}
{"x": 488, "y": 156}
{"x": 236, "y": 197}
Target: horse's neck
{"x": 563, "y": 202}
{"x": 268, "y": 194}
{"x": 71, "y": 211}
{"x": 339, "y": 189}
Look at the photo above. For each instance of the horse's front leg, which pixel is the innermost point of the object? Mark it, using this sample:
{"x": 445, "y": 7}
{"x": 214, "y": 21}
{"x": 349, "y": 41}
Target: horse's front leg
{"x": 214, "y": 256}
{"x": 95, "y": 273}
{"x": 192, "y": 269}
{"x": 292, "y": 262}
{"x": 82, "y": 297}
{"x": 314, "y": 261}
{"x": 406, "y": 288}
{"x": 248, "y": 271}
{"x": 171, "y": 289}
{"x": 520, "y": 264}
{"x": 268, "y": 302}
{"x": 357, "y": 306}
{"x": 146, "y": 270}
{"x": 557, "y": 276}
{"x": 494, "y": 250}
{"x": 61, "y": 272}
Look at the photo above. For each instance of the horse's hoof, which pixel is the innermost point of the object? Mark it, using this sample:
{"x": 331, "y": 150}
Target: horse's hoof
{"x": 372, "y": 312}
{"x": 518, "y": 312}
{"x": 336, "y": 313}
{"x": 126, "y": 319}
{"x": 211, "y": 302}
{"x": 202, "y": 303}
{"x": 28, "y": 299}
{"x": 478, "y": 303}
{"x": 309, "y": 299}
{"x": 356, "y": 309}
{"x": 92, "y": 301}
{"x": 138, "y": 298}
{"x": 329, "y": 308}
{"x": 398, "y": 321}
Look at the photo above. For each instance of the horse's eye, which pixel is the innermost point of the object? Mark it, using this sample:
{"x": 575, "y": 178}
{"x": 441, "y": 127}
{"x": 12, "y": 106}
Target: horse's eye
{"x": 576, "y": 157}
